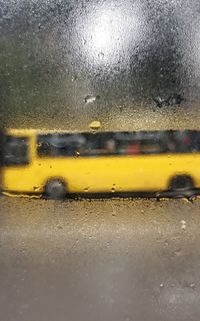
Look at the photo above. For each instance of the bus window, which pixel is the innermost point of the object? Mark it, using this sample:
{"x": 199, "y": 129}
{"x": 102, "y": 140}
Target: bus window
{"x": 133, "y": 148}
{"x": 119, "y": 143}
{"x": 171, "y": 142}
{"x": 150, "y": 147}
{"x": 195, "y": 141}
{"x": 182, "y": 141}
{"x": 16, "y": 151}
{"x": 127, "y": 143}
{"x": 92, "y": 146}
{"x": 99, "y": 144}
{"x": 59, "y": 145}
{"x": 110, "y": 146}
{"x": 151, "y": 143}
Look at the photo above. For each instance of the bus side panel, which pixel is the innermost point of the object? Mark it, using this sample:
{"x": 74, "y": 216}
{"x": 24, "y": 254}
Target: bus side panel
{"x": 104, "y": 174}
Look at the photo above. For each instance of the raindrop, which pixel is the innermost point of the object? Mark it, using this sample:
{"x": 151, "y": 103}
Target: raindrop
{"x": 74, "y": 78}
{"x": 90, "y": 99}
{"x": 183, "y": 225}
{"x": 95, "y": 125}
{"x": 177, "y": 252}
{"x": 174, "y": 99}
{"x": 192, "y": 198}
{"x": 159, "y": 101}
{"x": 101, "y": 55}
{"x": 166, "y": 243}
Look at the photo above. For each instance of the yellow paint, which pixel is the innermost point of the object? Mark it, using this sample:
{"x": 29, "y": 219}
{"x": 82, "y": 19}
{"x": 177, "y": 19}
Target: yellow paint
{"x": 99, "y": 174}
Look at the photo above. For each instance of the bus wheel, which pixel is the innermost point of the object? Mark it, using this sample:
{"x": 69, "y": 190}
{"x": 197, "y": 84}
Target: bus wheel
{"x": 182, "y": 183}
{"x": 55, "y": 189}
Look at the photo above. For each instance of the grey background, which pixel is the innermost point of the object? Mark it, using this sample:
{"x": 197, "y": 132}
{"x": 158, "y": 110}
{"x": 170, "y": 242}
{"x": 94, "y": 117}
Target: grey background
{"x": 54, "y": 54}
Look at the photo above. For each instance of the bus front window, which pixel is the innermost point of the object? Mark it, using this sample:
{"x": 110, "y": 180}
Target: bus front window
{"x": 16, "y": 151}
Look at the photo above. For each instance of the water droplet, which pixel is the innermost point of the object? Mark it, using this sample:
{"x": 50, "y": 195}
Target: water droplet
{"x": 74, "y": 78}
{"x": 95, "y": 124}
{"x": 177, "y": 252}
{"x": 101, "y": 55}
{"x": 113, "y": 188}
{"x": 159, "y": 101}
{"x": 90, "y": 99}
{"x": 183, "y": 225}
{"x": 174, "y": 99}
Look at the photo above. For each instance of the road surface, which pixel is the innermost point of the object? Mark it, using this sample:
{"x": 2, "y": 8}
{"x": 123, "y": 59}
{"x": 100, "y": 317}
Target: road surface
{"x": 102, "y": 260}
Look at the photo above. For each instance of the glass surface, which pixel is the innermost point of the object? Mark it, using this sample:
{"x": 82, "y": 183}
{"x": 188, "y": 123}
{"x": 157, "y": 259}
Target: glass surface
{"x": 133, "y": 65}
{"x": 99, "y": 210}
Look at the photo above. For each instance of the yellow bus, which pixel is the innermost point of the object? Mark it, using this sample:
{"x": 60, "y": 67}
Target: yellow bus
{"x": 57, "y": 163}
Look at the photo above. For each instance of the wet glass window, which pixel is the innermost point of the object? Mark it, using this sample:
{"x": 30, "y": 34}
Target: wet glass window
{"x": 16, "y": 151}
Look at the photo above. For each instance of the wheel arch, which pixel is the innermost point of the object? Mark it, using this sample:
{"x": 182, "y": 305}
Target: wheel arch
{"x": 51, "y": 180}
{"x": 187, "y": 177}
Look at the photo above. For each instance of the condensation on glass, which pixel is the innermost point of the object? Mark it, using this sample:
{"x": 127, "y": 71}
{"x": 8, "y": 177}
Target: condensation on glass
{"x": 133, "y": 65}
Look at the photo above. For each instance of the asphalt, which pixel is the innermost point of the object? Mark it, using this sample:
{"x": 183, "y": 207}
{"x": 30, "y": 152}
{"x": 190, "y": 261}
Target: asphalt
{"x": 99, "y": 260}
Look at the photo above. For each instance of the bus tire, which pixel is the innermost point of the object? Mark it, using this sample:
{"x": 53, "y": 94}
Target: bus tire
{"x": 55, "y": 189}
{"x": 182, "y": 183}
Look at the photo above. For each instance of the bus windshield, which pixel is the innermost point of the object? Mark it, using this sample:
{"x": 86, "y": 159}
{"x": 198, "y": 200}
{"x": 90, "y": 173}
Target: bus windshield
{"x": 15, "y": 151}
